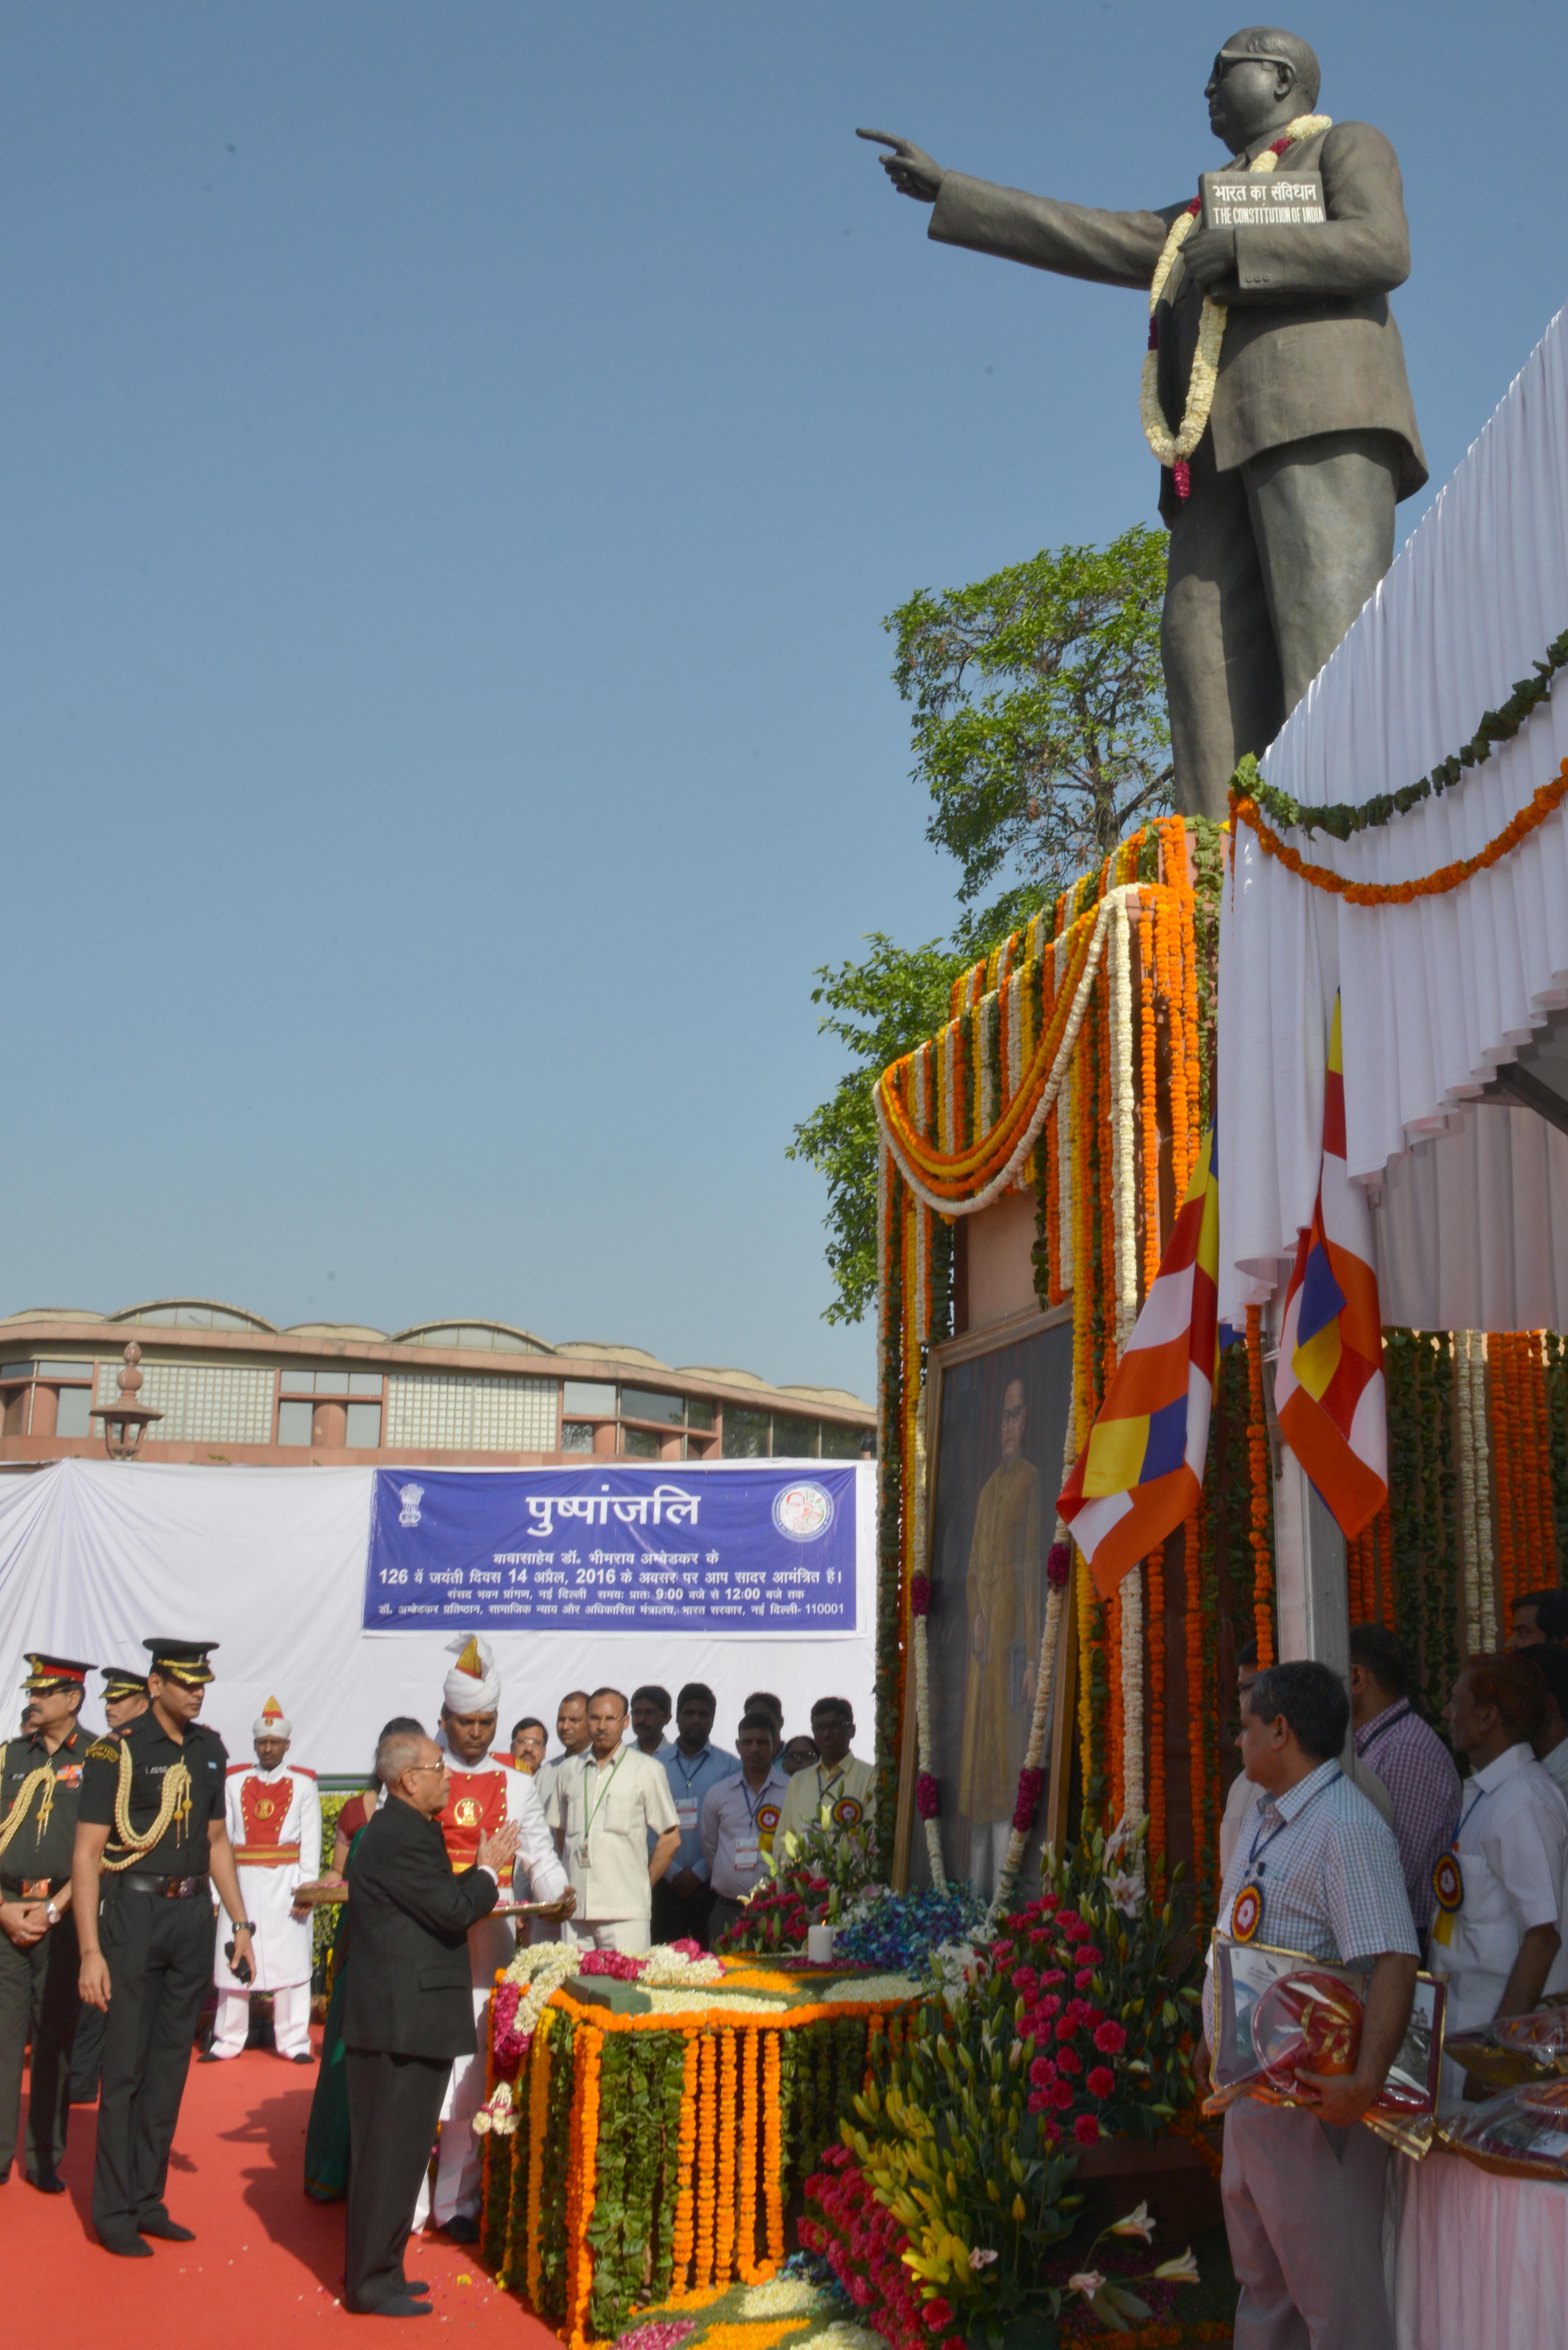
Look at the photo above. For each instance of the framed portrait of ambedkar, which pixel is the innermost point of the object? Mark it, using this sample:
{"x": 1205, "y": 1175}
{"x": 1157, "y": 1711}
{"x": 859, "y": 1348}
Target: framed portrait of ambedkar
{"x": 997, "y": 1407}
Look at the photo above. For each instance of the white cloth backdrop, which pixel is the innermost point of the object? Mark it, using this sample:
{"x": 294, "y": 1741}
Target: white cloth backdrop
{"x": 1436, "y": 993}
{"x": 1474, "y": 2262}
{"x": 97, "y": 1556}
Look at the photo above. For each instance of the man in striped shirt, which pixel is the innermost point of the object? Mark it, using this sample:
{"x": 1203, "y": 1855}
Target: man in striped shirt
{"x": 1409, "y": 1758}
{"x": 1303, "y": 2188}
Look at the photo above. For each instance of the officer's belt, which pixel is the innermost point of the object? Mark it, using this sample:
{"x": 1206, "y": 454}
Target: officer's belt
{"x": 25, "y": 1888}
{"x": 266, "y": 1855}
{"x": 170, "y": 1889}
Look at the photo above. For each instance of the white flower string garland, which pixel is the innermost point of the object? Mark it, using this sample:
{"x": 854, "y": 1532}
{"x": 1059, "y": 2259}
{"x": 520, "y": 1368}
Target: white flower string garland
{"x": 1174, "y": 449}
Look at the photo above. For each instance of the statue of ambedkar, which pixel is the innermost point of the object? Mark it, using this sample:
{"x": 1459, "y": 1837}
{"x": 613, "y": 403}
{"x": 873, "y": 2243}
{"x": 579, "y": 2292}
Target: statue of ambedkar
{"x": 1274, "y": 393}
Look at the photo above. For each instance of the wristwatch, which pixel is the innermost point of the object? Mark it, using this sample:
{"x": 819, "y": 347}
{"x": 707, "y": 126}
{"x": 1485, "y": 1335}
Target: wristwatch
{"x": 244, "y": 1926}
{"x": 51, "y": 1913}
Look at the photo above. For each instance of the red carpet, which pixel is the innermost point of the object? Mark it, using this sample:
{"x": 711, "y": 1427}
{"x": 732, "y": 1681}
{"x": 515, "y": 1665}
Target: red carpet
{"x": 263, "y": 2256}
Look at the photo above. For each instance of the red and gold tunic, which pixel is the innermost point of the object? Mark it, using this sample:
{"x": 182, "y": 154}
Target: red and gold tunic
{"x": 476, "y": 1807}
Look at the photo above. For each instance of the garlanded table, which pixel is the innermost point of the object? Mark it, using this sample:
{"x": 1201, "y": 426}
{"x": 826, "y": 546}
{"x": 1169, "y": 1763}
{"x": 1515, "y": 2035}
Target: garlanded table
{"x": 643, "y": 2147}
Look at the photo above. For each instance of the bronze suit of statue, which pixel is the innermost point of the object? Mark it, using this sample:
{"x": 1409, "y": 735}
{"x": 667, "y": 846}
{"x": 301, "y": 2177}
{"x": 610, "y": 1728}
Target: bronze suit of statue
{"x": 1288, "y": 523}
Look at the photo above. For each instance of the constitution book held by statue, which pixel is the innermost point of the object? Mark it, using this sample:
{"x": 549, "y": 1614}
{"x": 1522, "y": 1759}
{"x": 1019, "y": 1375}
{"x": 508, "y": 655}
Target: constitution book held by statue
{"x": 1239, "y": 200}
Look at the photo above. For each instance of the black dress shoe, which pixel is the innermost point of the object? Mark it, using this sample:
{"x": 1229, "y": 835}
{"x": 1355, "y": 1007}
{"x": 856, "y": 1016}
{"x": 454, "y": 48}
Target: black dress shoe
{"x": 167, "y": 2230}
{"x": 209, "y": 2056}
{"x": 461, "y": 2230}
{"x": 48, "y": 2182}
{"x": 402, "y": 2304}
{"x": 415, "y": 2285}
{"x": 305, "y": 2057}
{"x": 127, "y": 2248}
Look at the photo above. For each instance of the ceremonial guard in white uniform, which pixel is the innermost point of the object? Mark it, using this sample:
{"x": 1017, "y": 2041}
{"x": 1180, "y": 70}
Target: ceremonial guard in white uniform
{"x": 486, "y": 1793}
{"x": 274, "y": 1815}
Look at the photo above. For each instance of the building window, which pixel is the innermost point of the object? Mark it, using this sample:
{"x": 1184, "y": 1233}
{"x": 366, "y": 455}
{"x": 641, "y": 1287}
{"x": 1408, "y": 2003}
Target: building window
{"x": 841, "y": 1443}
{"x": 641, "y": 1443}
{"x": 294, "y": 1422}
{"x": 469, "y": 1412}
{"x": 698, "y": 1412}
{"x": 331, "y": 1383}
{"x": 793, "y": 1440}
{"x": 202, "y": 1403}
{"x": 746, "y": 1434}
{"x": 71, "y": 1413}
{"x": 578, "y": 1436}
{"x": 589, "y": 1398}
{"x": 650, "y": 1403}
{"x": 364, "y": 1426}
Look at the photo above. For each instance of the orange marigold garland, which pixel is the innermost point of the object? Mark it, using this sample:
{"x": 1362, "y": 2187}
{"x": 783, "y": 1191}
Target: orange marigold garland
{"x": 725, "y": 2183}
{"x": 1257, "y": 1476}
{"x": 706, "y": 2059}
{"x": 683, "y": 2236}
{"x": 1544, "y": 1567}
{"x": 1149, "y": 1097}
{"x": 538, "y": 2116}
{"x": 581, "y": 2179}
{"x": 772, "y": 2152}
{"x": 1535, "y": 813}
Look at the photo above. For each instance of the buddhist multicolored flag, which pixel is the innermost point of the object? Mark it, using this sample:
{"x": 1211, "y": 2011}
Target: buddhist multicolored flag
{"x": 1142, "y": 1469}
{"x": 1328, "y": 1389}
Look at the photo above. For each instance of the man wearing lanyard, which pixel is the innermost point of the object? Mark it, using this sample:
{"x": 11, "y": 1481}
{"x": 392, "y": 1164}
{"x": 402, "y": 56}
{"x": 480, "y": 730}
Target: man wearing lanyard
{"x": 839, "y": 1779}
{"x": 1498, "y": 1936}
{"x": 1302, "y": 2189}
{"x": 740, "y": 1817}
{"x": 601, "y": 1806}
{"x": 694, "y": 1766}
{"x": 1409, "y": 1758}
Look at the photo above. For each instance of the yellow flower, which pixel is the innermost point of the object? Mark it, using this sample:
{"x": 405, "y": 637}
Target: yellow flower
{"x": 1136, "y": 2224}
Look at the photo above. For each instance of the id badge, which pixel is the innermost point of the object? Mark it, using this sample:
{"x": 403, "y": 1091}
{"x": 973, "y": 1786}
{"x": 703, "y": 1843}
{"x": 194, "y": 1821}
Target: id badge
{"x": 582, "y": 1853}
{"x": 748, "y": 1857}
{"x": 686, "y": 1813}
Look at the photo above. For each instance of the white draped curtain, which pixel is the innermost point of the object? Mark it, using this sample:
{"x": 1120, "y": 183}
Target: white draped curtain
{"x": 1472, "y": 1228}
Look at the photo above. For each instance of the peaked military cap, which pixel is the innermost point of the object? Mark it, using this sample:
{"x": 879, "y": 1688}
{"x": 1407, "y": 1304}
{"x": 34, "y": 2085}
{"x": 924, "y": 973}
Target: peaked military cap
{"x": 46, "y": 1674}
{"x": 186, "y": 1661}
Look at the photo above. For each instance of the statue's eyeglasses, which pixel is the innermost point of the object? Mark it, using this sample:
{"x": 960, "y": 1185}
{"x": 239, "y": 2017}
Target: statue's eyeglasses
{"x": 1222, "y": 64}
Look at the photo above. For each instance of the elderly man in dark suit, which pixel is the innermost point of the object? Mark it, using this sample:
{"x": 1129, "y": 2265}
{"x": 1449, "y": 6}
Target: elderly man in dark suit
{"x": 408, "y": 2010}
{"x": 1281, "y": 515}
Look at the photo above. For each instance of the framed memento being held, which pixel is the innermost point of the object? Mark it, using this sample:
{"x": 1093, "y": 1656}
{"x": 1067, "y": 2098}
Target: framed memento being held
{"x": 997, "y": 1402}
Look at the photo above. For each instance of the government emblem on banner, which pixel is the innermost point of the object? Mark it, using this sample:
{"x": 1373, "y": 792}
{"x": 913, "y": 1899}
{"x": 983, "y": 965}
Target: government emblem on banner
{"x": 410, "y": 1496}
{"x": 802, "y": 1510}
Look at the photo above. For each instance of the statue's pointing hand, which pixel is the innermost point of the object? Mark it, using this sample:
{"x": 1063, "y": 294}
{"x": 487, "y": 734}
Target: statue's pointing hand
{"x": 912, "y": 172}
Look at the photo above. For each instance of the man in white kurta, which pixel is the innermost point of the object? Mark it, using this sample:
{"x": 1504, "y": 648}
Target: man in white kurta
{"x": 604, "y": 1807}
{"x": 274, "y": 1817}
{"x": 486, "y": 1793}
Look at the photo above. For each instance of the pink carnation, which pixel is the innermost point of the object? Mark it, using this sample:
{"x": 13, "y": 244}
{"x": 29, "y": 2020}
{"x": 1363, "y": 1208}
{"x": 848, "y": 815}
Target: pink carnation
{"x": 938, "y": 2313}
{"x": 921, "y": 1595}
{"x": 1068, "y": 2061}
{"x": 927, "y": 1796}
{"x": 1101, "y": 2081}
{"x": 1042, "y": 2070}
{"x": 1086, "y": 2130}
{"x": 1110, "y": 2038}
{"x": 1084, "y": 1978}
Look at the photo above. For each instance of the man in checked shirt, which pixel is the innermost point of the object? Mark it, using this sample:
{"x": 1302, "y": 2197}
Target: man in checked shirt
{"x": 1409, "y": 1758}
{"x": 1302, "y": 2189}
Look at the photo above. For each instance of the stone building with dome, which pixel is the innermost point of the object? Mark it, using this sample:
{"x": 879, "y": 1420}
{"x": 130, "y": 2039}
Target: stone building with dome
{"x": 232, "y": 1386}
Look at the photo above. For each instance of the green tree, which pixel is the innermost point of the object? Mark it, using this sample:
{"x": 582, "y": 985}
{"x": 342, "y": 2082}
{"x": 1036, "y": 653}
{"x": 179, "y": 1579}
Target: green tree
{"x": 1040, "y": 732}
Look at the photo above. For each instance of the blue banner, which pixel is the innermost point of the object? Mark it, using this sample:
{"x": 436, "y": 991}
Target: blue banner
{"x": 551, "y": 1550}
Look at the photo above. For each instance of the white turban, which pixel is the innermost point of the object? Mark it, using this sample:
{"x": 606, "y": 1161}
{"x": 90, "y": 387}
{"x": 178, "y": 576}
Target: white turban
{"x": 473, "y": 1685}
{"x": 272, "y": 1722}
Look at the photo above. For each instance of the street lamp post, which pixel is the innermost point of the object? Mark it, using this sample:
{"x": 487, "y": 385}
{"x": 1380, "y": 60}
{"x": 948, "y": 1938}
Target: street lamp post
{"x": 126, "y": 1422}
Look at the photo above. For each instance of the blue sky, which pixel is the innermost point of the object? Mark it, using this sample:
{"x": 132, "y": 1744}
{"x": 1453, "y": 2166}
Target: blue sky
{"x": 454, "y": 462}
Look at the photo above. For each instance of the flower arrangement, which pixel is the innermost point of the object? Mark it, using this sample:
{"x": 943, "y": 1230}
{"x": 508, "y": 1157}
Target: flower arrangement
{"x": 900, "y": 1930}
{"x": 815, "y": 1874}
{"x": 953, "y": 2182}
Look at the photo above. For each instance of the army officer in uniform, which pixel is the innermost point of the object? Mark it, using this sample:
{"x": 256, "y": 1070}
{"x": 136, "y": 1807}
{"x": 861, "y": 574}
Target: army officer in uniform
{"x": 40, "y": 1783}
{"x": 151, "y": 1818}
{"x": 124, "y": 1697}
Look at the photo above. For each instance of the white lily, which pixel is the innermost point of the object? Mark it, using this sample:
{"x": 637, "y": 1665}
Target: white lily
{"x": 1088, "y": 2282}
{"x": 1136, "y": 2224}
{"x": 1181, "y": 2271}
{"x": 980, "y": 2258}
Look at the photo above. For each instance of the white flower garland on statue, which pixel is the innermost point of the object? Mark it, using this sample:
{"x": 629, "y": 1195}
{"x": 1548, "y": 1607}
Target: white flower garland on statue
{"x": 1123, "y": 1178}
{"x": 1044, "y": 1678}
{"x": 1174, "y": 448}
